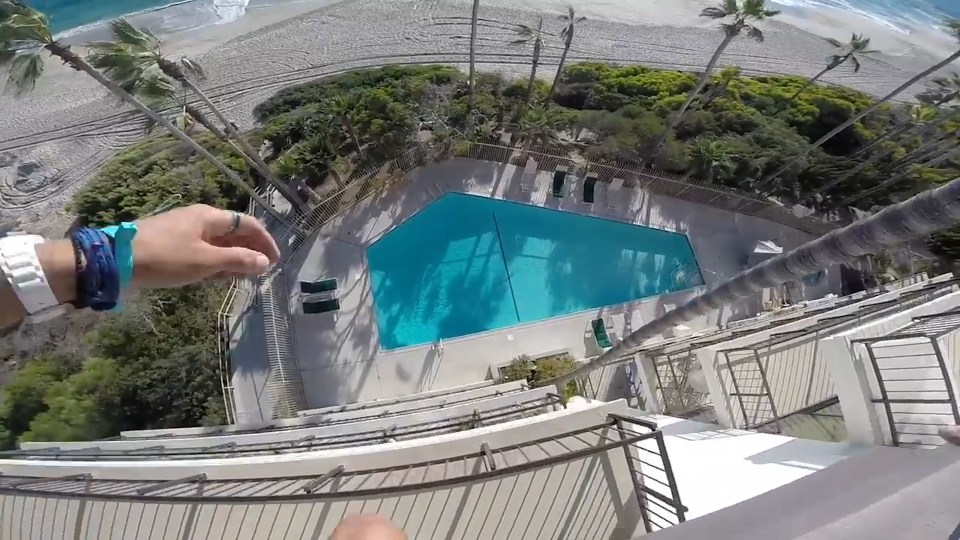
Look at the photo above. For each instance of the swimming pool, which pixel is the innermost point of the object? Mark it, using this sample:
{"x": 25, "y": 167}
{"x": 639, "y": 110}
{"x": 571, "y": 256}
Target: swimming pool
{"x": 468, "y": 264}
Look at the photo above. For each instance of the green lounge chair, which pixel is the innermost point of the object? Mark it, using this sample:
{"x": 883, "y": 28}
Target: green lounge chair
{"x": 315, "y": 287}
{"x": 321, "y": 306}
{"x": 600, "y": 332}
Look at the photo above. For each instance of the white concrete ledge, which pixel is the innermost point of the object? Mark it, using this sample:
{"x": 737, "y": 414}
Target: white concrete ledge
{"x": 335, "y": 430}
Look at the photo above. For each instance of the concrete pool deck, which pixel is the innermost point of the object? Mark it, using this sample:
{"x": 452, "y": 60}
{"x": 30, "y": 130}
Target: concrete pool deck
{"x": 339, "y": 356}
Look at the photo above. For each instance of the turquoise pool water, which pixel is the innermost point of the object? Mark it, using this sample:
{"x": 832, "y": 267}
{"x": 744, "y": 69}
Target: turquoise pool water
{"x": 467, "y": 264}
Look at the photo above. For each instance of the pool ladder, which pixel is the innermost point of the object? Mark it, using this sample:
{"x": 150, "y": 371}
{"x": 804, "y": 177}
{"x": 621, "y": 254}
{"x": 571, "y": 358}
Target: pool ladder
{"x": 435, "y": 191}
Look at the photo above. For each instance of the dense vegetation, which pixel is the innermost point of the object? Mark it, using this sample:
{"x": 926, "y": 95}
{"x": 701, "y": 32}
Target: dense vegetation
{"x": 153, "y": 365}
{"x": 738, "y": 132}
{"x": 536, "y": 372}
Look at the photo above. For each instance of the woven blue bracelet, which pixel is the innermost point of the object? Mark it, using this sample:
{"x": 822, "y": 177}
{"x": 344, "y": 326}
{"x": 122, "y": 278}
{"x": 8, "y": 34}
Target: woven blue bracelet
{"x": 98, "y": 279}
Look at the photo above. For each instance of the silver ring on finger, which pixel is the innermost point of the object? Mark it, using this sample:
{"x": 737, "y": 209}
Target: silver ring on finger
{"x": 237, "y": 216}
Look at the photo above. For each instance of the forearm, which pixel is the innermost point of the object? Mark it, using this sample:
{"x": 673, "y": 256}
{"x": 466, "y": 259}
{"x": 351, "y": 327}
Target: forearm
{"x": 57, "y": 260}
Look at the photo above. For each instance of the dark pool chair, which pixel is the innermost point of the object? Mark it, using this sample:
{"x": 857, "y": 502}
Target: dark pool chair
{"x": 315, "y": 307}
{"x": 559, "y": 177}
{"x": 600, "y": 332}
{"x": 317, "y": 287}
{"x": 589, "y": 188}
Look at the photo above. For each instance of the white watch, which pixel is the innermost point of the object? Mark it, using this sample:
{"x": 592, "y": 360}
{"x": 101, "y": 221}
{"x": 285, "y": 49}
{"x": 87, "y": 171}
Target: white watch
{"x": 18, "y": 260}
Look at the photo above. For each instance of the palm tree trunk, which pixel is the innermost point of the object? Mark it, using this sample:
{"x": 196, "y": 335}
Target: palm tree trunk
{"x": 890, "y": 181}
{"x": 810, "y": 81}
{"x": 856, "y": 118}
{"x": 879, "y": 155}
{"x": 533, "y": 70}
{"x": 473, "y": 68}
{"x": 920, "y": 153}
{"x": 202, "y": 119}
{"x": 348, "y": 125}
{"x": 285, "y": 190}
{"x": 75, "y": 61}
{"x": 919, "y": 216}
{"x": 695, "y": 92}
{"x": 563, "y": 61}
{"x": 892, "y": 132}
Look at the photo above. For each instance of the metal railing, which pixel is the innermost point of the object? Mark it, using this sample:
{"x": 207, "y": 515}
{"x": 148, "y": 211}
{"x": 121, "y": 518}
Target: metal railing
{"x": 654, "y": 486}
{"x": 223, "y": 351}
{"x": 923, "y": 404}
{"x": 321, "y": 420}
{"x": 751, "y": 387}
{"x": 478, "y": 418}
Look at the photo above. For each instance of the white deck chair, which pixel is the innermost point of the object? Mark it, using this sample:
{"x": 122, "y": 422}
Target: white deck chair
{"x": 528, "y": 182}
{"x": 613, "y": 192}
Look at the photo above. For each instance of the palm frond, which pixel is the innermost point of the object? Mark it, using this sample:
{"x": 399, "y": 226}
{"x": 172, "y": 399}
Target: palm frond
{"x": 856, "y": 64}
{"x": 25, "y": 28}
{"x": 7, "y": 53}
{"x": 24, "y": 72}
{"x": 128, "y": 34}
{"x": 192, "y": 68}
{"x": 953, "y": 26}
{"x": 752, "y": 8}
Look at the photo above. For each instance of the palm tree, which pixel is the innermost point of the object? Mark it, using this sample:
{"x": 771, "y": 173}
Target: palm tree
{"x": 952, "y": 25}
{"x": 571, "y": 21}
{"x": 946, "y": 154}
{"x": 537, "y": 126}
{"x": 719, "y": 84}
{"x": 25, "y": 33}
{"x": 710, "y": 160}
{"x": 848, "y": 52}
{"x": 941, "y": 90}
{"x": 919, "y": 115}
{"x": 342, "y": 108}
{"x": 744, "y": 16}
{"x": 528, "y": 35}
{"x": 137, "y": 51}
{"x": 473, "y": 67}
{"x": 917, "y": 217}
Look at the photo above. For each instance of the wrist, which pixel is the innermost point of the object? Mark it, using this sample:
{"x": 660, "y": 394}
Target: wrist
{"x": 59, "y": 266}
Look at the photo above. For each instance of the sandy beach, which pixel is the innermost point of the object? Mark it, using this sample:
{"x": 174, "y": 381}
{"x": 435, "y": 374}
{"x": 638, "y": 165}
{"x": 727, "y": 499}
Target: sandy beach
{"x": 54, "y": 138}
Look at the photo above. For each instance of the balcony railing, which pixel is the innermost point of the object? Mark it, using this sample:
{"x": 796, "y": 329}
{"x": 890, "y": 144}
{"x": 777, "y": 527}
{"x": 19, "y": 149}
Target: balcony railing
{"x": 654, "y": 488}
{"x": 399, "y": 432}
{"x": 915, "y": 388}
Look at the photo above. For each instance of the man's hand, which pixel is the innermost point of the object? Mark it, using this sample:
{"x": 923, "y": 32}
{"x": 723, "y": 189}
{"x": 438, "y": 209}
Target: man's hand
{"x": 190, "y": 244}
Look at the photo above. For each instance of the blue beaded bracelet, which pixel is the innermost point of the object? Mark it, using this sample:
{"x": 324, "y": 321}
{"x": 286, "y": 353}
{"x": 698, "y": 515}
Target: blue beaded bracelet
{"x": 98, "y": 278}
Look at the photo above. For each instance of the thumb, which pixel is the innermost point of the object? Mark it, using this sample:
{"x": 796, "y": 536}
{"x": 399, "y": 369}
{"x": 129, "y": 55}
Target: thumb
{"x": 238, "y": 260}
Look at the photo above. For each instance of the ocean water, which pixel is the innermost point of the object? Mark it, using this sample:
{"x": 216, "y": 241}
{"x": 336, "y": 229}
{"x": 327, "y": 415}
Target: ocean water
{"x": 467, "y": 264}
{"x": 900, "y": 15}
{"x": 72, "y": 16}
